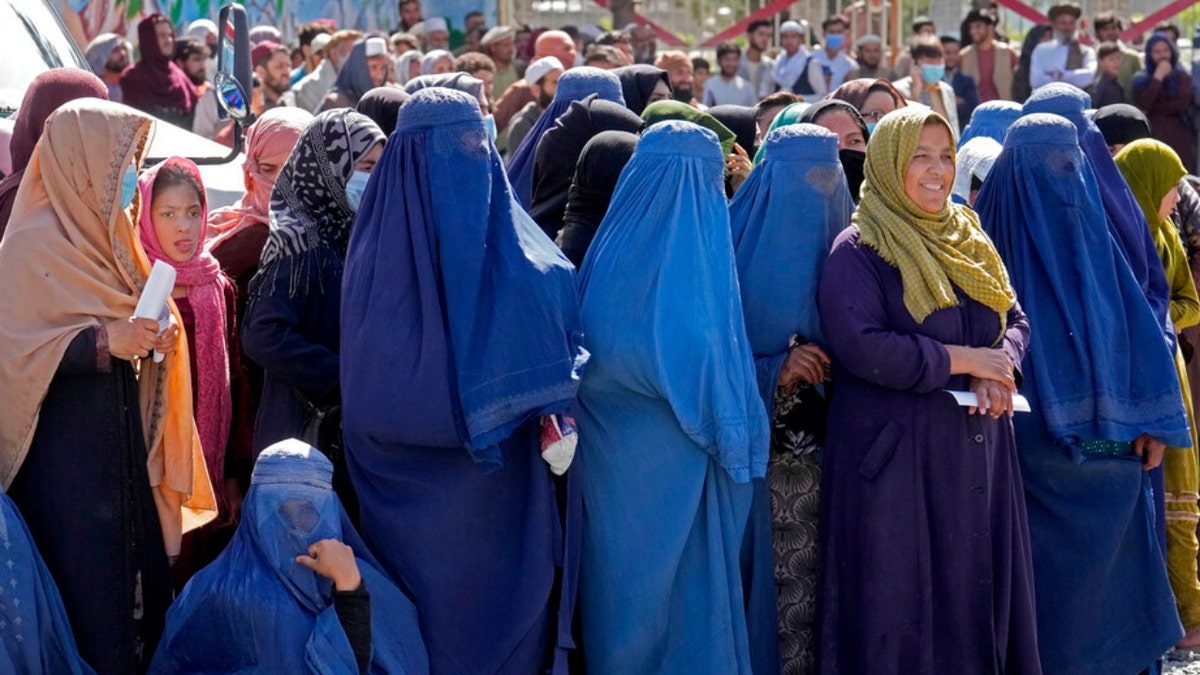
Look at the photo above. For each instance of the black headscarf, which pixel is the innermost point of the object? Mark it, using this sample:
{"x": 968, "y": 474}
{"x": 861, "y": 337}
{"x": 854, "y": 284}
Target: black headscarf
{"x": 382, "y": 105}
{"x": 558, "y": 152}
{"x": 596, "y": 176}
{"x": 853, "y": 161}
{"x": 638, "y": 83}
{"x": 740, "y": 120}
{"x": 1121, "y": 124}
{"x": 1021, "y": 86}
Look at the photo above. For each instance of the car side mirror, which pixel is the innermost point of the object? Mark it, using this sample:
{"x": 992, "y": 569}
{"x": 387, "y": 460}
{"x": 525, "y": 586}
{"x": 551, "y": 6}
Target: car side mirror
{"x": 233, "y": 79}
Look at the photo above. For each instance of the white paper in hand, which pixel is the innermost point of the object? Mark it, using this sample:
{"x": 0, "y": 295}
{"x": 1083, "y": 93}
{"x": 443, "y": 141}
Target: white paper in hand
{"x": 153, "y": 303}
{"x": 968, "y": 399}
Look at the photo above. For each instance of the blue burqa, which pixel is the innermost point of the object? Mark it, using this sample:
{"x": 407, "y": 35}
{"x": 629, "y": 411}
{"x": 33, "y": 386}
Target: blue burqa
{"x": 461, "y": 327}
{"x": 256, "y": 610}
{"x": 1125, "y": 218}
{"x": 991, "y": 119}
{"x": 1096, "y": 370}
{"x": 784, "y": 219}
{"x": 574, "y": 85}
{"x": 670, "y": 422}
{"x": 35, "y": 635}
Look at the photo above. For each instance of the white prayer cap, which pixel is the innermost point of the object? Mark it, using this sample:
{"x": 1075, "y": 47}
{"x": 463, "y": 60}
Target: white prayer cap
{"x": 319, "y": 42}
{"x": 376, "y": 46}
{"x": 200, "y": 29}
{"x": 538, "y": 69}
{"x": 435, "y": 24}
{"x": 791, "y": 27}
{"x": 868, "y": 39}
{"x": 497, "y": 34}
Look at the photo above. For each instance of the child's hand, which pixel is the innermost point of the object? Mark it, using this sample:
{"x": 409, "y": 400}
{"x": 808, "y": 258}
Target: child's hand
{"x": 332, "y": 559}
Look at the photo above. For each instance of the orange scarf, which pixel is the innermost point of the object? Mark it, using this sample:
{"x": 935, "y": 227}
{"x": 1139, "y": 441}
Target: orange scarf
{"x": 71, "y": 260}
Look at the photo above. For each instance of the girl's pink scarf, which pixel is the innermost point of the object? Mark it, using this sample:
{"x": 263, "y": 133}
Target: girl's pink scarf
{"x": 214, "y": 406}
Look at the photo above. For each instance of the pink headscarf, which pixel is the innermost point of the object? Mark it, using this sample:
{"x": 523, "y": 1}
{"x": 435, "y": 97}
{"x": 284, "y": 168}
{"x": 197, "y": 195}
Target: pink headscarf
{"x": 214, "y": 402}
{"x": 269, "y": 141}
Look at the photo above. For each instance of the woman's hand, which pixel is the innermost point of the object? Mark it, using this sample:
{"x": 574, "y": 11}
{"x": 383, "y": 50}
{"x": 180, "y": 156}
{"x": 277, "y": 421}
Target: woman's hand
{"x": 805, "y": 362}
{"x": 994, "y": 398}
{"x": 131, "y": 338}
{"x": 738, "y": 165}
{"x": 1150, "y": 449}
{"x": 332, "y": 559}
{"x": 983, "y": 363}
{"x": 165, "y": 343}
{"x": 1163, "y": 70}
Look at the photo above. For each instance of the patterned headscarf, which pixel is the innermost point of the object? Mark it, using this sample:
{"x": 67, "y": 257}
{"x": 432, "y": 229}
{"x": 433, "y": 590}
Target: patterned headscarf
{"x": 309, "y": 207}
{"x": 933, "y": 251}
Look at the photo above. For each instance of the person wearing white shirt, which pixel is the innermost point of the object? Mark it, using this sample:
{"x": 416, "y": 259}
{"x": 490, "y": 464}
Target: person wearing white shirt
{"x": 789, "y": 65}
{"x": 727, "y": 87}
{"x": 828, "y": 67}
{"x": 1063, "y": 59}
{"x": 755, "y": 66}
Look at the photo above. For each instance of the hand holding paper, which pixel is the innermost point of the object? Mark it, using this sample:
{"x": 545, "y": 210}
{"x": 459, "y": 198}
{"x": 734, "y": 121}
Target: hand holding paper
{"x": 153, "y": 303}
{"x": 968, "y": 399}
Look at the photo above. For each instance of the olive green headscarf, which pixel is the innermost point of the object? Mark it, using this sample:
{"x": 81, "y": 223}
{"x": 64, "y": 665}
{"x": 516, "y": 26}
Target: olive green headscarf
{"x": 1152, "y": 169}
{"x": 933, "y": 251}
{"x": 661, "y": 111}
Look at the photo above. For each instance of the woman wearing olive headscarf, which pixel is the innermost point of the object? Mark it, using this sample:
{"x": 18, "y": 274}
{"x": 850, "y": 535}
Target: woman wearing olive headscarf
{"x": 914, "y": 300}
{"x": 1153, "y": 172}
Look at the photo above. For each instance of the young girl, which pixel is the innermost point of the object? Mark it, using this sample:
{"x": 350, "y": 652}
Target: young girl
{"x": 172, "y": 229}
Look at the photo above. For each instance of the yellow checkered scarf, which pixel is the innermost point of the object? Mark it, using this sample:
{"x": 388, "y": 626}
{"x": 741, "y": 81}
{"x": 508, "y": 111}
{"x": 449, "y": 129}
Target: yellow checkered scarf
{"x": 933, "y": 251}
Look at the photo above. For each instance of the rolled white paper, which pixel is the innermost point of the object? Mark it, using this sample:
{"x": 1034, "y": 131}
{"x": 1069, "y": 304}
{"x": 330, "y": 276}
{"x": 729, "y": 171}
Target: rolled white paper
{"x": 153, "y": 303}
{"x": 968, "y": 399}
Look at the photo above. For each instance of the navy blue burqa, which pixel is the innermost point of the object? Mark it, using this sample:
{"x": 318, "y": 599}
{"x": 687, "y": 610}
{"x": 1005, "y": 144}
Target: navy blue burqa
{"x": 256, "y": 610}
{"x": 1125, "y": 219}
{"x": 1096, "y": 370}
{"x": 575, "y": 85}
{"x": 460, "y": 327}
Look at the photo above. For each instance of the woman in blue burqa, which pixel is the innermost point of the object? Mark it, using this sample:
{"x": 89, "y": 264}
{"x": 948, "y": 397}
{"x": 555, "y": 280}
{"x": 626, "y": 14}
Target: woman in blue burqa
{"x": 460, "y": 331}
{"x": 671, "y": 425}
{"x": 785, "y": 218}
{"x": 575, "y": 85}
{"x": 1105, "y": 398}
{"x": 296, "y": 591}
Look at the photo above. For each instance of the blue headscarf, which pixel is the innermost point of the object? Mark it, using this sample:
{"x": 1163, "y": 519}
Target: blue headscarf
{"x": 1097, "y": 362}
{"x": 574, "y": 85}
{"x": 256, "y": 609}
{"x": 460, "y": 320}
{"x": 991, "y": 119}
{"x": 354, "y": 79}
{"x": 1125, "y": 220}
{"x": 1171, "y": 83}
{"x": 35, "y": 635}
{"x": 660, "y": 293}
{"x": 784, "y": 220}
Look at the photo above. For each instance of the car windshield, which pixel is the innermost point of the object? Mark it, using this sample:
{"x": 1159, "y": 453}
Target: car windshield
{"x": 31, "y": 29}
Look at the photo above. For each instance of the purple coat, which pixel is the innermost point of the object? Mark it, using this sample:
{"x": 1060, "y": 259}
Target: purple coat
{"x": 925, "y": 556}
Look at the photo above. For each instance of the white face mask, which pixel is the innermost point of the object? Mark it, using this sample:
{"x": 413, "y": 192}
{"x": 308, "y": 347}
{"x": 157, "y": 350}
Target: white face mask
{"x": 356, "y": 187}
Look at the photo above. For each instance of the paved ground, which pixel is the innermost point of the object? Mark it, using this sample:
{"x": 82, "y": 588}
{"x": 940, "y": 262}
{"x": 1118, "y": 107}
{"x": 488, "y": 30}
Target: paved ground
{"x": 1181, "y": 663}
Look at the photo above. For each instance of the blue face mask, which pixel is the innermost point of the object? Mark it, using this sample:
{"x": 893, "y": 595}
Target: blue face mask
{"x": 835, "y": 42}
{"x": 489, "y": 123}
{"x": 129, "y": 186}
{"x": 931, "y": 74}
{"x": 355, "y": 187}
{"x": 871, "y": 127}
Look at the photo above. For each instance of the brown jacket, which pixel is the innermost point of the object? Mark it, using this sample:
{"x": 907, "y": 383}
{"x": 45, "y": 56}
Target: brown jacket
{"x": 1002, "y": 68}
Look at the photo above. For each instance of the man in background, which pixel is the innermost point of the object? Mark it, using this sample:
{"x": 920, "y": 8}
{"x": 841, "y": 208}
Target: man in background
{"x": 310, "y": 92}
{"x": 480, "y": 67}
{"x": 542, "y": 76}
{"x": 410, "y": 14}
{"x": 551, "y": 43}
{"x": 988, "y": 62}
{"x": 755, "y": 66}
{"x": 108, "y": 55}
{"x": 680, "y": 73}
{"x": 869, "y": 56}
{"x": 191, "y": 56}
{"x": 499, "y": 44}
{"x": 829, "y": 66}
{"x": 1063, "y": 58}
{"x": 312, "y": 57}
{"x": 1108, "y": 27}
{"x": 728, "y": 88}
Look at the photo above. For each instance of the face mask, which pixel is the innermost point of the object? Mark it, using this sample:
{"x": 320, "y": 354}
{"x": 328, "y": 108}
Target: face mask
{"x": 129, "y": 186}
{"x": 931, "y": 74}
{"x": 355, "y": 187}
{"x": 854, "y": 166}
{"x": 489, "y": 123}
{"x": 871, "y": 127}
{"x": 834, "y": 42}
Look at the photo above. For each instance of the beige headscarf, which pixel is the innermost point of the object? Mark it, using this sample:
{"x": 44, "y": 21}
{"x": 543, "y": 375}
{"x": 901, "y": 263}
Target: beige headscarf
{"x": 70, "y": 260}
